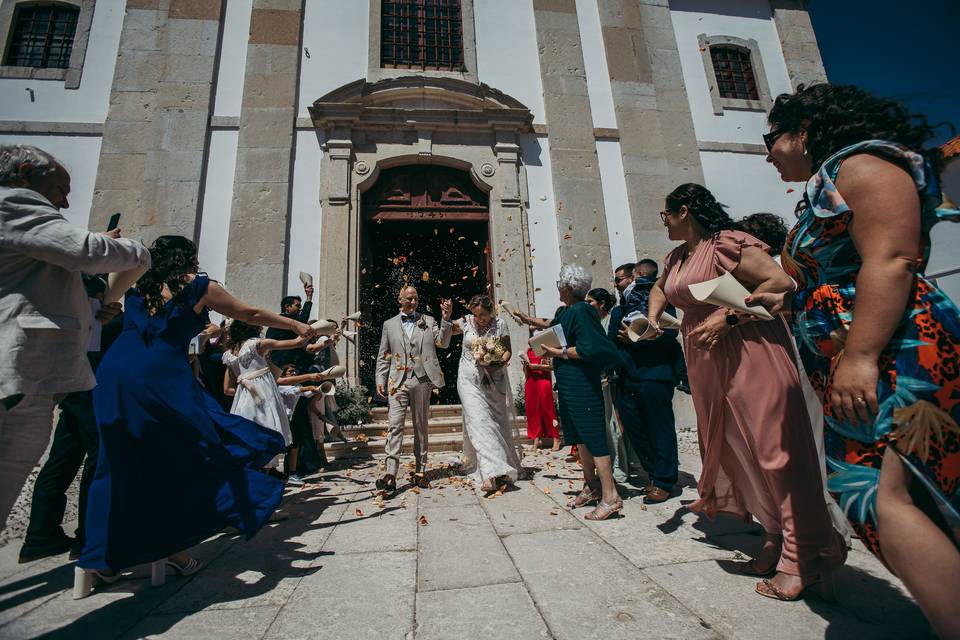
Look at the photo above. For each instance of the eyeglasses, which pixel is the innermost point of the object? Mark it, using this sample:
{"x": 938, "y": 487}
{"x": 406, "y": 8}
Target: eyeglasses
{"x": 664, "y": 214}
{"x": 770, "y": 139}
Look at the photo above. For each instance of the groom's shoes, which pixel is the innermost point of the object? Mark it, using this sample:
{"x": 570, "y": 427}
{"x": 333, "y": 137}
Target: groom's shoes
{"x": 387, "y": 484}
{"x": 419, "y": 479}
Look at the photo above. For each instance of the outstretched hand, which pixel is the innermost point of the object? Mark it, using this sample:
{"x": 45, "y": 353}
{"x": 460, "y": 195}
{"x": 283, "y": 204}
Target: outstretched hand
{"x": 446, "y": 309}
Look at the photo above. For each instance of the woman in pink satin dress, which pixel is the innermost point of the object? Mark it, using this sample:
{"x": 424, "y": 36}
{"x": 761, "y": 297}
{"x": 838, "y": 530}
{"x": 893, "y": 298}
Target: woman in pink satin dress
{"x": 759, "y": 456}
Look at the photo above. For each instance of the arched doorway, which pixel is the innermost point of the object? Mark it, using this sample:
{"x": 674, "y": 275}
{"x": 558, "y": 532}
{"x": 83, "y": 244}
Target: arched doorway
{"x": 428, "y": 226}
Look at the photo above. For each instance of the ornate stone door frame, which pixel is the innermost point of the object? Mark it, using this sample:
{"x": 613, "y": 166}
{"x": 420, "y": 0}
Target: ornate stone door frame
{"x": 420, "y": 120}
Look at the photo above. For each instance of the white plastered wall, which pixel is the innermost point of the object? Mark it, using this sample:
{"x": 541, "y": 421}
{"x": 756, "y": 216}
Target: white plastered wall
{"x": 507, "y": 54}
{"x": 542, "y": 223}
{"x": 51, "y": 102}
{"x": 336, "y": 35}
{"x": 233, "y": 58}
{"x": 306, "y": 214}
{"x": 747, "y": 184}
{"x": 217, "y": 202}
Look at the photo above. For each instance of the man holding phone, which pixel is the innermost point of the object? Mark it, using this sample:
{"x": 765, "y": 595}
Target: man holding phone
{"x": 45, "y": 318}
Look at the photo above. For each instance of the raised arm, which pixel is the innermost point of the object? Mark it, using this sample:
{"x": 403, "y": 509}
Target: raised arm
{"x": 222, "y": 302}
{"x": 32, "y": 227}
{"x": 443, "y": 333}
{"x": 267, "y": 345}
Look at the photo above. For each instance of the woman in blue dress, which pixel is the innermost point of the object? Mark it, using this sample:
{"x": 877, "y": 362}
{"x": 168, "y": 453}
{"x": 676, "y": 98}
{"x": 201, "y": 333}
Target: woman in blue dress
{"x": 174, "y": 467}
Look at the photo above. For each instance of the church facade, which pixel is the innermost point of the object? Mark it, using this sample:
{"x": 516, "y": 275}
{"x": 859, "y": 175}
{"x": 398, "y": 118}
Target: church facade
{"x": 466, "y": 146}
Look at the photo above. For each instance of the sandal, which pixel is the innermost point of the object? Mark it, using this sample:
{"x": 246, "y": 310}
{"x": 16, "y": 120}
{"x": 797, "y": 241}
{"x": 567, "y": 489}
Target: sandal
{"x": 823, "y": 584}
{"x": 589, "y": 493}
{"x": 605, "y": 509}
{"x": 188, "y": 569}
{"x": 751, "y": 569}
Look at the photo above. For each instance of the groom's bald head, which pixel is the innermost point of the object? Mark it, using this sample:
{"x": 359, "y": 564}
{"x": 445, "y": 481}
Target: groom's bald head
{"x": 408, "y": 299}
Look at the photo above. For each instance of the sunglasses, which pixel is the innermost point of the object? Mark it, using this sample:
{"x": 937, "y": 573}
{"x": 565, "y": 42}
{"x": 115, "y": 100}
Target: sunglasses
{"x": 770, "y": 139}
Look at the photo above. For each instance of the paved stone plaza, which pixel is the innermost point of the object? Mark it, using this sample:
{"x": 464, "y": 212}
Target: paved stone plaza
{"x": 448, "y": 563}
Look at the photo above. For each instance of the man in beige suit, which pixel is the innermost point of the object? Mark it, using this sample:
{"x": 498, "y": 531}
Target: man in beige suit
{"x": 45, "y": 317}
{"x": 407, "y": 372}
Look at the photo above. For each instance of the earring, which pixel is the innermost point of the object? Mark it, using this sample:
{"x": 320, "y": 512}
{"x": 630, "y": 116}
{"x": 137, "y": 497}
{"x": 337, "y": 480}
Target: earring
{"x": 805, "y": 152}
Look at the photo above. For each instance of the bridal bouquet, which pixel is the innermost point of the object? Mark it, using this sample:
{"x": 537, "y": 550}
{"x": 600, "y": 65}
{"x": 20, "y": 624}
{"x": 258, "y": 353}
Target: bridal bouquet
{"x": 488, "y": 352}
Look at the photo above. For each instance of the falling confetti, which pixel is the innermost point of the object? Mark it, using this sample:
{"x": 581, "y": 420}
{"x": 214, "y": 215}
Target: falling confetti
{"x": 790, "y": 190}
{"x": 359, "y": 512}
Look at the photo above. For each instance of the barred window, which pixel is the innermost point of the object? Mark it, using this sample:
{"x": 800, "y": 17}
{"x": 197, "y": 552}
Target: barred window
{"x": 734, "y": 72}
{"x": 42, "y": 36}
{"x": 421, "y": 34}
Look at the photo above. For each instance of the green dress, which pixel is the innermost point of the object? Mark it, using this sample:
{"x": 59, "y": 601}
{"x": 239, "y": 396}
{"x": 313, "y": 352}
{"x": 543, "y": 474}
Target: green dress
{"x": 578, "y": 381}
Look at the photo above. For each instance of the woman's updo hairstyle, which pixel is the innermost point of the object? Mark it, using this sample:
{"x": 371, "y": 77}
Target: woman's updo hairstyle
{"x": 706, "y": 211}
{"x": 481, "y": 300}
{"x": 837, "y": 116}
{"x": 172, "y": 260}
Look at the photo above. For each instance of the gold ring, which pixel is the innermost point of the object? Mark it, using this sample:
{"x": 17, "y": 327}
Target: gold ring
{"x": 859, "y": 400}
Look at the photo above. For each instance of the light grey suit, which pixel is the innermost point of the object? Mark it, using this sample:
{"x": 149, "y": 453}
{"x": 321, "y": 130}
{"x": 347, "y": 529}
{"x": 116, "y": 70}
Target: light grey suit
{"x": 409, "y": 370}
{"x": 45, "y": 322}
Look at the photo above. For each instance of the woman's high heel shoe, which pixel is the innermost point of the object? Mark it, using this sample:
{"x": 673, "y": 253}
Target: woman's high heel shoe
{"x": 823, "y": 584}
{"x": 589, "y": 493}
{"x": 84, "y": 580}
{"x": 188, "y": 569}
{"x": 605, "y": 510}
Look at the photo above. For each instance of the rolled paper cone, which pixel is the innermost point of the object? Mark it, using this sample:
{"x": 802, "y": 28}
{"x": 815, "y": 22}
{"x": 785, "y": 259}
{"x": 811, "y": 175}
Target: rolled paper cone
{"x": 349, "y": 335}
{"x": 336, "y": 371}
{"x": 726, "y": 291}
{"x": 328, "y": 389}
{"x": 118, "y": 283}
{"x": 353, "y": 317}
{"x": 667, "y": 321}
{"x": 640, "y": 329}
{"x": 306, "y": 279}
{"x": 325, "y": 327}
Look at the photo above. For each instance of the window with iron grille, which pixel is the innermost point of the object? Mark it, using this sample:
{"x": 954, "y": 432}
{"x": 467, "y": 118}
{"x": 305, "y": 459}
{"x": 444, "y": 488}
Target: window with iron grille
{"x": 734, "y": 73}
{"x": 42, "y": 36}
{"x": 421, "y": 34}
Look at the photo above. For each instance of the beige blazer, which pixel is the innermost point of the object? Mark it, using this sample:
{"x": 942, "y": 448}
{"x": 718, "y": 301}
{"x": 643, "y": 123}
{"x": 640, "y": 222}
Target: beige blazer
{"x": 45, "y": 318}
{"x": 397, "y": 355}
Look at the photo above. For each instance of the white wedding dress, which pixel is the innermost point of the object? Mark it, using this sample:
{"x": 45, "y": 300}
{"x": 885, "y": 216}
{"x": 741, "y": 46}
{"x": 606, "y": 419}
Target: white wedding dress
{"x": 489, "y": 446}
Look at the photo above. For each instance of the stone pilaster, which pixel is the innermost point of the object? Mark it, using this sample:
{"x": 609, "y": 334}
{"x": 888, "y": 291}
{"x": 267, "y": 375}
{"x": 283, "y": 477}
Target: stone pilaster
{"x": 155, "y": 133}
{"x": 256, "y": 254}
{"x": 657, "y": 140}
{"x": 581, "y": 222}
{"x": 799, "y": 42}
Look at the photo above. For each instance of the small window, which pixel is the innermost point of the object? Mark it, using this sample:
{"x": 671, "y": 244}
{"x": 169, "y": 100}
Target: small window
{"x": 421, "y": 34}
{"x": 42, "y": 36}
{"x": 734, "y": 72}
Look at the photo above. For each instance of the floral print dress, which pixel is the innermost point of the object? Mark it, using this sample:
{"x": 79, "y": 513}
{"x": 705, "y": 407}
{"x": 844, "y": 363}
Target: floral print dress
{"x": 919, "y": 384}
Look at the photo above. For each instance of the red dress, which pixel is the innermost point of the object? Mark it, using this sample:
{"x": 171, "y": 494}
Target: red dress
{"x": 538, "y": 395}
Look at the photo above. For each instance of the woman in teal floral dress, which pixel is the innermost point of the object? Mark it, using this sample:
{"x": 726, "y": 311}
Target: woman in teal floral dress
{"x": 878, "y": 340}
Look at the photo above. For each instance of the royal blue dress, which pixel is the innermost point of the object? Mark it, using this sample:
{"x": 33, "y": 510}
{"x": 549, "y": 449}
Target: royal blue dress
{"x": 174, "y": 468}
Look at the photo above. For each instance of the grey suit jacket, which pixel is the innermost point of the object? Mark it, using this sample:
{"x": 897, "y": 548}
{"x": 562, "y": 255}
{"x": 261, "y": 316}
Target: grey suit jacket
{"x": 45, "y": 318}
{"x": 393, "y": 343}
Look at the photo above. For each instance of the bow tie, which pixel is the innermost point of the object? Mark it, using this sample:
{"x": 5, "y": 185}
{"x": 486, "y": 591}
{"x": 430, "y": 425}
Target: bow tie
{"x": 408, "y": 318}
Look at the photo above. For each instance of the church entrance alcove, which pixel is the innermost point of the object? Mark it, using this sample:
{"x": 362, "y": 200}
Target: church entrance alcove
{"x": 427, "y": 226}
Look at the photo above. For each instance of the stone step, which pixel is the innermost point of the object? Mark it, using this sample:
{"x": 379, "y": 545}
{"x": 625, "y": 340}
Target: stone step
{"x": 375, "y": 445}
{"x": 436, "y": 411}
{"x": 434, "y": 425}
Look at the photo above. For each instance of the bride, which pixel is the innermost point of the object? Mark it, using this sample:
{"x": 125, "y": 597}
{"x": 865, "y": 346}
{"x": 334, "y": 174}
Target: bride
{"x": 490, "y": 455}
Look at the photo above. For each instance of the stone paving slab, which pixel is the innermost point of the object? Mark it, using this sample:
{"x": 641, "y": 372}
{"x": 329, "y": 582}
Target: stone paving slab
{"x": 353, "y": 596}
{"x": 493, "y": 612}
{"x": 527, "y": 511}
{"x": 585, "y": 589}
{"x": 459, "y": 548}
{"x": 249, "y": 623}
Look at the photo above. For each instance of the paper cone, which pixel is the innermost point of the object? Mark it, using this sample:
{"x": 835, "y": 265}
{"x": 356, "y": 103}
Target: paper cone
{"x": 349, "y": 335}
{"x": 353, "y": 317}
{"x": 329, "y": 391}
{"x": 667, "y": 321}
{"x": 120, "y": 281}
{"x": 641, "y": 328}
{"x": 306, "y": 279}
{"x": 726, "y": 291}
{"x": 336, "y": 371}
{"x": 325, "y": 327}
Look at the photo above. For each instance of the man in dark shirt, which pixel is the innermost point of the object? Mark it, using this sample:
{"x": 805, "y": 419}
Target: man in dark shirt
{"x": 291, "y": 307}
{"x": 645, "y": 389}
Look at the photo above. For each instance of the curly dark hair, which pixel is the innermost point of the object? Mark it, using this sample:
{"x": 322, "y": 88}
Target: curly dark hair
{"x": 837, "y": 116}
{"x": 481, "y": 300}
{"x": 604, "y": 297}
{"x": 768, "y": 228}
{"x": 706, "y": 211}
{"x": 172, "y": 260}
{"x": 239, "y": 332}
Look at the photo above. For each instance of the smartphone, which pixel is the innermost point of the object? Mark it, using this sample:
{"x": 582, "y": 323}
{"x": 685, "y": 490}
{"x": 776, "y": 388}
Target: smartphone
{"x": 114, "y": 222}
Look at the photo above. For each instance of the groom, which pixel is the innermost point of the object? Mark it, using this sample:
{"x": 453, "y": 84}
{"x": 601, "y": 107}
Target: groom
{"x": 408, "y": 355}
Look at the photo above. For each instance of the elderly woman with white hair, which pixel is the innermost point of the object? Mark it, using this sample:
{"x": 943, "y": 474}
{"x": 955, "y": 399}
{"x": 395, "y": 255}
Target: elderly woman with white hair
{"x": 577, "y": 368}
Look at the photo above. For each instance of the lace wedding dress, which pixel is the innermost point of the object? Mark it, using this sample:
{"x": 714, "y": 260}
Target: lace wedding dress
{"x": 489, "y": 447}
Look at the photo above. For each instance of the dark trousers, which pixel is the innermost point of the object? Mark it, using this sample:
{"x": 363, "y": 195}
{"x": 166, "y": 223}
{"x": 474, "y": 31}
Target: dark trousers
{"x": 74, "y": 438}
{"x": 646, "y": 410}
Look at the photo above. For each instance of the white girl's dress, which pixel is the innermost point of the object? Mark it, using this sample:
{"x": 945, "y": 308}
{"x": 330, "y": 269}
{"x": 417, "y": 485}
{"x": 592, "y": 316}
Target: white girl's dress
{"x": 257, "y": 396}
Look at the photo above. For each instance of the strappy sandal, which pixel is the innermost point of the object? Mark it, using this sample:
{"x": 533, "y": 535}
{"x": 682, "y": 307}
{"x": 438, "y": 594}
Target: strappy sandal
{"x": 751, "y": 569}
{"x": 589, "y": 493}
{"x": 188, "y": 569}
{"x": 823, "y": 584}
{"x": 605, "y": 509}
